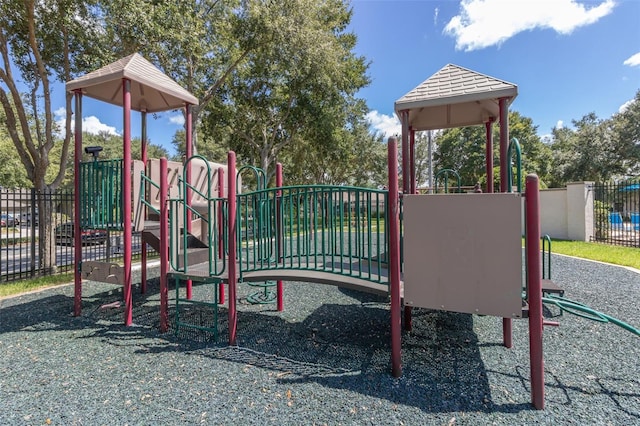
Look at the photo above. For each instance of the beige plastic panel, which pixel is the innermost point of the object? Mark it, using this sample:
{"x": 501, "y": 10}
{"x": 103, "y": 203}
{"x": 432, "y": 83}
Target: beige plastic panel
{"x": 175, "y": 172}
{"x": 138, "y": 219}
{"x": 463, "y": 253}
{"x": 104, "y": 272}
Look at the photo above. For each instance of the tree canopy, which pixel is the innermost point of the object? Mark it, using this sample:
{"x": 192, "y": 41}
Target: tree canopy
{"x": 463, "y": 150}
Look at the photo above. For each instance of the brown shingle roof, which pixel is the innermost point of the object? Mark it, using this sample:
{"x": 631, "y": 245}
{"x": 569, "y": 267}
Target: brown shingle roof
{"x": 454, "y": 97}
{"x": 151, "y": 89}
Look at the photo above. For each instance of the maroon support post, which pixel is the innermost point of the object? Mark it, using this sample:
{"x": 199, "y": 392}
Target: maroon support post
{"x": 220, "y": 229}
{"x": 164, "y": 248}
{"x": 126, "y": 201}
{"x": 143, "y": 157}
{"x": 231, "y": 228}
{"x": 406, "y": 156}
{"x": 187, "y": 172}
{"x": 489, "y": 155}
{"x": 507, "y": 323}
{"x": 412, "y": 160}
{"x": 534, "y": 290}
{"x": 394, "y": 257}
{"x": 77, "y": 157}
{"x": 279, "y": 239}
{"x": 408, "y": 178}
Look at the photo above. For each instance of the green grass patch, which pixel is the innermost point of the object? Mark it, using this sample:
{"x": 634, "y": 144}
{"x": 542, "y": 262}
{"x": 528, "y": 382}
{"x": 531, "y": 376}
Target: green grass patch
{"x": 624, "y": 256}
{"x": 17, "y": 287}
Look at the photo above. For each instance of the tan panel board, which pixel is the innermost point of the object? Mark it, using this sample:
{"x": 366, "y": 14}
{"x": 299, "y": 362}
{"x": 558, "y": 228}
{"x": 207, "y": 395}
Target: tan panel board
{"x": 462, "y": 253}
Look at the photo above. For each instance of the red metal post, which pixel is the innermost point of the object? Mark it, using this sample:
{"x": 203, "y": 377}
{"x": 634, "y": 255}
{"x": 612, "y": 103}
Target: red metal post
{"x": 164, "y": 247}
{"x": 189, "y": 153}
{"x": 126, "y": 200}
{"x": 220, "y": 229}
{"x": 412, "y": 160}
{"x": 231, "y": 229}
{"x": 504, "y": 144}
{"x": 408, "y": 322}
{"x": 143, "y": 244}
{"x": 406, "y": 167}
{"x": 394, "y": 257}
{"x": 77, "y": 157}
{"x": 507, "y": 323}
{"x": 489, "y": 155}
{"x": 534, "y": 290}
{"x": 279, "y": 284}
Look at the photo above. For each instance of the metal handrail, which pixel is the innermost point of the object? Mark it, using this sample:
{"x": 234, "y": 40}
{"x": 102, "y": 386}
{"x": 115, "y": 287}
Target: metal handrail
{"x": 514, "y": 144}
{"x": 446, "y": 173}
{"x": 327, "y": 228}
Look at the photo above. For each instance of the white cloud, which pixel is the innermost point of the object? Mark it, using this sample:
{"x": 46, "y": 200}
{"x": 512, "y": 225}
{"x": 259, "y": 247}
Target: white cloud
{"x": 484, "y": 23}
{"x": 387, "y": 125}
{"x": 177, "y": 119}
{"x": 91, "y": 124}
{"x": 436, "y": 12}
{"x": 625, "y": 105}
{"x": 559, "y": 124}
{"x": 60, "y": 113}
{"x": 633, "y": 61}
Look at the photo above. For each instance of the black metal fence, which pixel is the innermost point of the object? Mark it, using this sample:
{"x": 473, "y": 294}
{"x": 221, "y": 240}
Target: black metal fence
{"x": 616, "y": 212}
{"x": 34, "y": 240}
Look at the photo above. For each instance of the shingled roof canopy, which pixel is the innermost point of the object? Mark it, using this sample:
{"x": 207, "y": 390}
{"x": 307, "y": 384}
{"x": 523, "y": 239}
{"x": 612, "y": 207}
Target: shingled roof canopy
{"x": 455, "y": 97}
{"x": 151, "y": 89}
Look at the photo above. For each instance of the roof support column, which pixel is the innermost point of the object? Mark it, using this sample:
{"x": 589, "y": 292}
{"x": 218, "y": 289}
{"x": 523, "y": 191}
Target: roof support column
{"x": 143, "y": 157}
{"x": 412, "y": 159}
{"x": 393, "y": 214}
{"x": 126, "y": 200}
{"x": 504, "y": 143}
{"x": 77, "y": 157}
{"x": 406, "y": 156}
{"x": 489, "y": 154}
{"x": 188, "y": 152}
{"x": 507, "y": 323}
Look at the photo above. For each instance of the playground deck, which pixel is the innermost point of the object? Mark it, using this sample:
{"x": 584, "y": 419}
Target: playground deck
{"x": 369, "y": 278}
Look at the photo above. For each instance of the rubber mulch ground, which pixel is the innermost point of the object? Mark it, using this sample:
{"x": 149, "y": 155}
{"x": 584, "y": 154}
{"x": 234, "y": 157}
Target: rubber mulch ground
{"x": 324, "y": 360}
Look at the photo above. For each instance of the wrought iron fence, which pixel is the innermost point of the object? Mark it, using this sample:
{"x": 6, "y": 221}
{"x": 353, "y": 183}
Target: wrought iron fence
{"x": 36, "y": 235}
{"x": 616, "y": 213}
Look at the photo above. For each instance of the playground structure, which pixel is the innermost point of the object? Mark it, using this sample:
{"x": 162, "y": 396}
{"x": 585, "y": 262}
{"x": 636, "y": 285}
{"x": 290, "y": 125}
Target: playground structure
{"x": 453, "y": 252}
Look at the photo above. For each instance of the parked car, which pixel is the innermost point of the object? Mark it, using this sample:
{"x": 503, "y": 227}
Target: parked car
{"x": 25, "y": 218}
{"x": 9, "y": 220}
{"x": 65, "y": 235}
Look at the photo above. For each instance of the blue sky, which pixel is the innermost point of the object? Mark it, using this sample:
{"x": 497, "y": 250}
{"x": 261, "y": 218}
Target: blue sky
{"x": 567, "y": 57}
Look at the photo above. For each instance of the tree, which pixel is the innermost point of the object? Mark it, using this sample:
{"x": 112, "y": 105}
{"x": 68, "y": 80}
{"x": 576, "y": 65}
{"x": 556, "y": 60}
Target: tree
{"x": 297, "y": 89}
{"x": 536, "y": 155}
{"x": 587, "y": 153}
{"x": 626, "y": 133}
{"x": 41, "y": 42}
{"x": 12, "y": 174}
{"x": 356, "y": 157}
{"x": 463, "y": 149}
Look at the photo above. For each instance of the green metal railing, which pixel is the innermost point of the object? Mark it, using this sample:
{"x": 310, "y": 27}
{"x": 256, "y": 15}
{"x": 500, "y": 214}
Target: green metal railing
{"x": 325, "y": 228}
{"x": 101, "y": 194}
{"x": 514, "y": 146}
{"x": 577, "y": 308}
{"x": 209, "y": 215}
{"x": 444, "y": 173}
{"x": 546, "y": 257}
{"x": 571, "y": 306}
{"x": 145, "y": 182}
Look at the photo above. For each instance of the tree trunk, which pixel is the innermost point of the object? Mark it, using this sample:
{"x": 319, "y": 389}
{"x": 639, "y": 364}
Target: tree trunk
{"x": 46, "y": 239}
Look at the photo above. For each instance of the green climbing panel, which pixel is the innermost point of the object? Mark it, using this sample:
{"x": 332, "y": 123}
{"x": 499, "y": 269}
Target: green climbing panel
{"x": 101, "y": 194}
